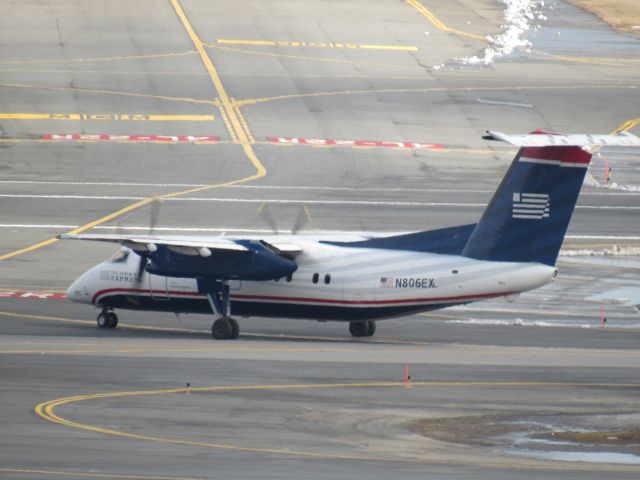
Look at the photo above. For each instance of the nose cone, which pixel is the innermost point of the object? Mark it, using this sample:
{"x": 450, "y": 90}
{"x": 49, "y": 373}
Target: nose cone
{"x": 78, "y": 291}
{"x": 73, "y": 292}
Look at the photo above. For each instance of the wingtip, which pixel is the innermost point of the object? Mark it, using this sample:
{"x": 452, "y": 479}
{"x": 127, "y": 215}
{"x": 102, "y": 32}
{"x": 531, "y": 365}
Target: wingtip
{"x": 497, "y": 136}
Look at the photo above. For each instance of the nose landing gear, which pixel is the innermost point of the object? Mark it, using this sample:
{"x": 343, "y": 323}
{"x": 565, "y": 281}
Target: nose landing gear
{"x": 107, "y": 319}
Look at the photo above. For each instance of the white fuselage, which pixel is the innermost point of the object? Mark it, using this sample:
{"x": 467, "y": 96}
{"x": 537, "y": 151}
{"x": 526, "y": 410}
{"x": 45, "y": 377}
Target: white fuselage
{"x": 332, "y": 283}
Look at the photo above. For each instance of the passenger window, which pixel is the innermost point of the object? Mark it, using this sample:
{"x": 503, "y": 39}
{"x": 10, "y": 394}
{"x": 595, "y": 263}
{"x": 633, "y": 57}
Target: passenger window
{"x": 327, "y": 279}
{"x": 316, "y": 277}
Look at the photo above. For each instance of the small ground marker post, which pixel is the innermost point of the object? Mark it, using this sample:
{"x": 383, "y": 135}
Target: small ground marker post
{"x": 603, "y": 319}
{"x": 607, "y": 172}
{"x": 407, "y": 377}
{"x": 188, "y": 388}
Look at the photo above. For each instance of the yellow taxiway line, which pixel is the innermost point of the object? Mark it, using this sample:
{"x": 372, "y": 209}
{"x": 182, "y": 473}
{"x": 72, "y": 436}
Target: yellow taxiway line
{"x": 196, "y": 101}
{"x": 232, "y": 116}
{"x": 433, "y": 90}
{"x": 96, "y": 59}
{"x": 628, "y": 125}
{"x": 440, "y": 25}
{"x": 239, "y": 130}
{"x": 47, "y": 411}
{"x": 291, "y": 43}
{"x": 601, "y": 61}
{"x": 59, "y": 473}
{"x": 311, "y": 58}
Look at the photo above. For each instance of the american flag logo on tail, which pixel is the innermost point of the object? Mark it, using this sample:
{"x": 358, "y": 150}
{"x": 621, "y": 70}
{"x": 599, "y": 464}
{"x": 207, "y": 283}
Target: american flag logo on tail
{"x": 532, "y": 206}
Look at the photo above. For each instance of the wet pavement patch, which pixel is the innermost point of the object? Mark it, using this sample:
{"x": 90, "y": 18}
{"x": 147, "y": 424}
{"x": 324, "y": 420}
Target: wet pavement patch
{"x": 613, "y": 438}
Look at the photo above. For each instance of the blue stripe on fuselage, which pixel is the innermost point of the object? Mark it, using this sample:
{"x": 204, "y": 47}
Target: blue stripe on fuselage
{"x": 267, "y": 309}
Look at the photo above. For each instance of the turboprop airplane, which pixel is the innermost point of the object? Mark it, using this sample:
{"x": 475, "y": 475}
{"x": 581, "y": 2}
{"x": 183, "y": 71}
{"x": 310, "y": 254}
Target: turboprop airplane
{"x": 512, "y": 249}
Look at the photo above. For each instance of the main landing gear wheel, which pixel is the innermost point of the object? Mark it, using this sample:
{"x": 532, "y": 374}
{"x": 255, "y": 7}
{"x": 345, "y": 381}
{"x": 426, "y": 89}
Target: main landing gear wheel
{"x": 225, "y": 329}
{"x": 362, "y": 329}
{"x": 107, "y": 319}
{"x": 235, "y": 328}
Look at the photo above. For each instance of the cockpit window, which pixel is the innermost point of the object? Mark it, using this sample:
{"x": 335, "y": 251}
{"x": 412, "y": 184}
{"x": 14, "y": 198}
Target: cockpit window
{"x": 119, "y": 257}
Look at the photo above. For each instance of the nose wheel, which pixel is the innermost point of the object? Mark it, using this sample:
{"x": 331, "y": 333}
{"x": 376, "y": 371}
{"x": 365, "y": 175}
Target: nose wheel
{"x": 107, "y": 319}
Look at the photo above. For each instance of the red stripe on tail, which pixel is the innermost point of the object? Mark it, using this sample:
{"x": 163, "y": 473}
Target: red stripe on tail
{"x": 574, "y": 155}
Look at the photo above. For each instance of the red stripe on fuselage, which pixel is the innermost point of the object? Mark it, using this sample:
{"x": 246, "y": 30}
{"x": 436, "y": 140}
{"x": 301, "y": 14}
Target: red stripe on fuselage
{"x": 327, "y": 301}
{"x": 137, "y": 291}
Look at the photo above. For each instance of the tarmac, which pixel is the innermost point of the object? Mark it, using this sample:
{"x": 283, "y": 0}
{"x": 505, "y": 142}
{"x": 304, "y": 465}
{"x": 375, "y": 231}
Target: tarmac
{"x": 368, "y": 115}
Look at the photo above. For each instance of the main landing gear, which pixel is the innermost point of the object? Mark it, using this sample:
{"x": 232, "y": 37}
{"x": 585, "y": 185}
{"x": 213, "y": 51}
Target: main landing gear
{"x": 107, "y": 319}
{"x": 362, "y": 329}
{"x": 225, "y": 327}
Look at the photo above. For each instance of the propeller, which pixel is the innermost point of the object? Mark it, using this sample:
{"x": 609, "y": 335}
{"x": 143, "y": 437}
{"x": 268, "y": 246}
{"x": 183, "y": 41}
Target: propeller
{"x": 267, "y": 216}
{"x": 141, "y": 264}
{"x": 303, "y": 218}
{"x": 154, "y": 213}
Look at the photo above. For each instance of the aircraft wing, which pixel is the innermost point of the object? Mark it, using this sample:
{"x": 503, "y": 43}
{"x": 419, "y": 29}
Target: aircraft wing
{"x": 186, "y": 246}
{"x": 214, "y": 258}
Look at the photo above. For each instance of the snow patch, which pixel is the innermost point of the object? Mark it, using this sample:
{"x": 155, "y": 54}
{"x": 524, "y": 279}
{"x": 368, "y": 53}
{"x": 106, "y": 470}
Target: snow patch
{"x": 614, "y": 251}
{"x": 518, "y": 322}
{"x": 616, "y": 186}
{"x": 519, "y": 16}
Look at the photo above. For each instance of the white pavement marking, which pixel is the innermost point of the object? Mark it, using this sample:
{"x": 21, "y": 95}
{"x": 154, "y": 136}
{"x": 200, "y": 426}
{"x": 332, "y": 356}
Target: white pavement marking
{"x": 293, "y": 201}
{"x": 286, "y": 187}
{"x": 270, "y": 232}
{"x": 245, "y": 187}
{"x": 486, "y": 101}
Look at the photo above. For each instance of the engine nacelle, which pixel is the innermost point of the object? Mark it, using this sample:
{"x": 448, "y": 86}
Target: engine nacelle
{"x": 258, "y": 263}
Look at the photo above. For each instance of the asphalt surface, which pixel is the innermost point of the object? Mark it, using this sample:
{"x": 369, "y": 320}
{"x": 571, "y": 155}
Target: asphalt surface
{"x": 294, "y": 399}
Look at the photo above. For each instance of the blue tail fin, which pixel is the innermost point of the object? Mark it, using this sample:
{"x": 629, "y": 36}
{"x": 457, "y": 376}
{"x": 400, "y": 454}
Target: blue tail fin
{"x": 529, "y": 214}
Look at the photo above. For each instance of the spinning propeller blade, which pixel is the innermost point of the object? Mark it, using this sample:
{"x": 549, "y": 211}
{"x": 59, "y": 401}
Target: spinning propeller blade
{"x": 154, "y": 213}
{"x": 303, "y": 218}
{"x": 267, "y": 216}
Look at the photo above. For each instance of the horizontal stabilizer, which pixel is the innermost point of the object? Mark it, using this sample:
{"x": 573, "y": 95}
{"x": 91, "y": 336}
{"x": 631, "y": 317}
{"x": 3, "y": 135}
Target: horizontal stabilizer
{"x": 544, "y": 139}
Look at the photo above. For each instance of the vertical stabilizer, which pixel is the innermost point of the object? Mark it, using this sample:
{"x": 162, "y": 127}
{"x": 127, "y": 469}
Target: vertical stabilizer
{"x": 530, "y": 212}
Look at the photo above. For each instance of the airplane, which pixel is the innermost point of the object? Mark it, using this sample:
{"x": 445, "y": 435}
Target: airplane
{"x": 358, "y": 279}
